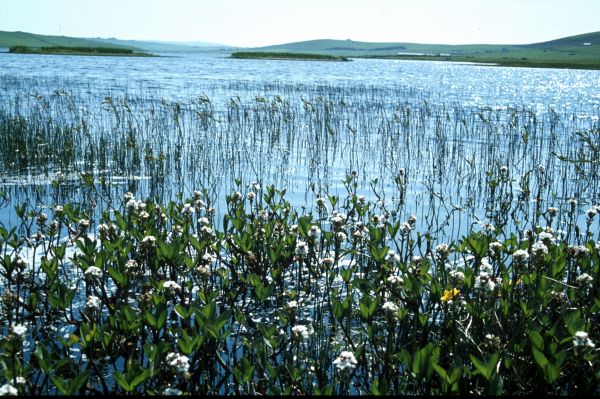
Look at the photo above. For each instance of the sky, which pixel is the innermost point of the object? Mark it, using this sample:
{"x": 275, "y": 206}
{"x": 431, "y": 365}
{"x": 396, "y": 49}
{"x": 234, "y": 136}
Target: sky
{"x": 253, "y": 23}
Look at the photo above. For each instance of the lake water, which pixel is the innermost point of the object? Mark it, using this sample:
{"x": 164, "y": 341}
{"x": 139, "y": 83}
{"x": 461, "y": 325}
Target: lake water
{"x": 445, "y": 124}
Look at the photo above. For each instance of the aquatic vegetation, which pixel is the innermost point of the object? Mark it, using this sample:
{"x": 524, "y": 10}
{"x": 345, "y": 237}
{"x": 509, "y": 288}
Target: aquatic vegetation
{"x": 272, "y": 299}
{"x": 412, "y": 247}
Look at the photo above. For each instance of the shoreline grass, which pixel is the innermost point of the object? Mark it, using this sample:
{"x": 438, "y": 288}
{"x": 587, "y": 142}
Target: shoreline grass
{"x": 287, "y": 56}
{"x": 67, "y": 50}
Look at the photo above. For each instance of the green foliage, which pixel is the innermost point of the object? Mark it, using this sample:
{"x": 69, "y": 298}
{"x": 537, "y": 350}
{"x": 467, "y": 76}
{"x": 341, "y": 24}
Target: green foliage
{"x": 276, "y": 303}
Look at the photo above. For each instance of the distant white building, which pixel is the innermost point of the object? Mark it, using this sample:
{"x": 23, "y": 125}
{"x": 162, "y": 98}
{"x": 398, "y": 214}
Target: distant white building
{"x": 587, "y": 44}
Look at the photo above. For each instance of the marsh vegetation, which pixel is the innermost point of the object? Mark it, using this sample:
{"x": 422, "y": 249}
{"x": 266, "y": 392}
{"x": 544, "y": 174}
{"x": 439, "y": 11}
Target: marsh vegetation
{"x": 295, "y": 239}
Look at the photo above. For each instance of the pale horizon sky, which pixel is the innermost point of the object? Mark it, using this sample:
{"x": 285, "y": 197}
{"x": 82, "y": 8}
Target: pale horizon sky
{"x": 248, "y": 23}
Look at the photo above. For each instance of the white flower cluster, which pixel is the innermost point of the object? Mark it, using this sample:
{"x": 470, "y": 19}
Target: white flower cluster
{"x": 395, "y": 281}
{"x": 485, "y": 279}
{"x": 345, "y": 360}
{"x": 19, "y": 329}
{"x": 300, "y": 332}
{"x": 171, "y": 286}
{"x": 301, "y": 248}
{"x": 457, "y": 275}
{"x": 315, "y": 232}
{"x": 390, "y": 307}
{"x": 93, "y": 272}
{"x": 539, "y": 249}
{"x": 92, "y": 302}
{"x": 148, "y": 242}
{"x": 584, "y": 280}
{"x": 337, "y": 219}
{"x": 178, "y": 362}
{"x": 581, "y": 339}
{"x": 442, "y": 250}
{"x": 578, "y": 250}
{"x": 521, "y": 256}
{"x": 392, "y": 257}
{"x": 187, "y": 210}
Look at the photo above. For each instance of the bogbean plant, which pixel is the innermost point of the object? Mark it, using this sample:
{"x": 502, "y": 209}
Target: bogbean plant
{"x": 348, "y": 299}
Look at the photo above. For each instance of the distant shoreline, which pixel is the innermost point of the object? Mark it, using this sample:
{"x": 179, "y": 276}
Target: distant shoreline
{"x": 523, "y": 63}
{"x": 87, "y": 51}
{"x": 287, "y": 56}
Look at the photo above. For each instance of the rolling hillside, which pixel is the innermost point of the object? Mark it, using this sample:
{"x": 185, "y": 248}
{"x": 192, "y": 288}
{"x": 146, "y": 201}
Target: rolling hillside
{"x": 11, "y": 39}
{"x": 581, "y": 51}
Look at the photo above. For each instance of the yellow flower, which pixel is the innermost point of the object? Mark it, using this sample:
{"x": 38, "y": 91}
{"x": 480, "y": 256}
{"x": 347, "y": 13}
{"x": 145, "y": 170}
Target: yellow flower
{"x": 449, "y": 294}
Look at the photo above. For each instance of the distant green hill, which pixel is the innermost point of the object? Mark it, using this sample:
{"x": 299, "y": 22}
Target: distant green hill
{"x": 13, "y": 39}
{"x": 581, "y": 51}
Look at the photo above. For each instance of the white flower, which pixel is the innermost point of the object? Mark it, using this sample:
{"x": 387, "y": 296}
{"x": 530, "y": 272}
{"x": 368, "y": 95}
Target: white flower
{"x": 495, "y": 247}
{"x": 250, "y": 196}
{"x": 405, "y": 228}
{"x": 395, "y": 280}
{"x": 321, "y": 202}
{"x": 208, "y": 258}
{"x": 581, "y": 339}
{"x": 179, "y": 362}
{"x": 93, "y": 302}
{"x": 300, "y": 332}
{"x": 291, "y": 305}
{"x": 84, "y": 224}
{"x": 337, "y": 219}
{"x": 345, "y": 360}
{"x": 205, "y": 230}
{"x": 539, "y": 248}
{"x": 591, "y": 213}
{"x": 93, "y": 272}
{"x": 131, "y": 266}
{"x": 8, "y": 390}
{"x": 187, "y": 210}
{"x": 341, "y": 236}
{"x": 19, "y": 329}
{"x": 485, "y": 281}
{"x": 314, "y": 232}
{"x": 171, "y": 286}
{"x": 149, "y": 241}
{"x": 301, "y": 248}
{"x": 204, "y": 221}
{"x": 553, "y": 211}
{"x": 442, "y": 250}
{"x": 392, "y": 256}
{"x": 486, "y": 267}
{"x": 584, "y": 279}
{"x": 457, "y": 275}
{"x": 546, "y": 237}
{"x": 520, "y": 255}
{"x": 390, "y": 307}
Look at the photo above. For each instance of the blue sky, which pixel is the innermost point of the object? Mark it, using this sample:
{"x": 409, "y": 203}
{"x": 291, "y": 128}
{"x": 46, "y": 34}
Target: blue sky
{"x": 263, "y": 22}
